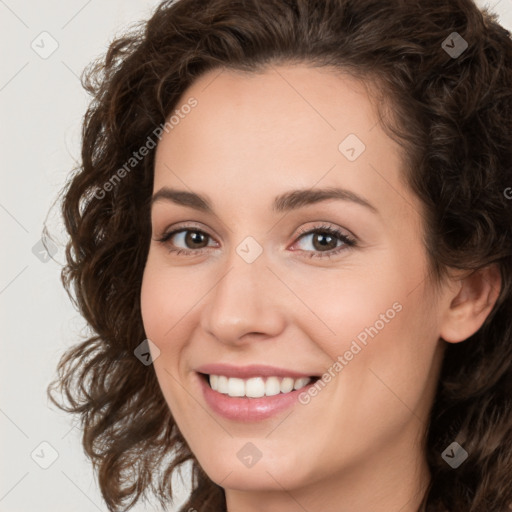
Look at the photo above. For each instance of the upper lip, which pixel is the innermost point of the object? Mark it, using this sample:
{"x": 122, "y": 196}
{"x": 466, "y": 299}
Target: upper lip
{"x": 246, "y": 372}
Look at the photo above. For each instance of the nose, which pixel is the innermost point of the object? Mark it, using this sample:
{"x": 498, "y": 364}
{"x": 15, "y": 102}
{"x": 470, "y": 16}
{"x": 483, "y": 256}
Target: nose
{"x": 247, "y": 303}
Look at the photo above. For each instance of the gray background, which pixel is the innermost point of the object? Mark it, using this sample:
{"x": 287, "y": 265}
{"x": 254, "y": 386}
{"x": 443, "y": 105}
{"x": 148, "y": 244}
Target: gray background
{"x": 42, "y": 104}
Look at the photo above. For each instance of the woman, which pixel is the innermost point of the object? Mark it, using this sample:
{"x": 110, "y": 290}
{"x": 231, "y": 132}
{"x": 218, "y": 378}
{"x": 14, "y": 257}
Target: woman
{"x": 291, "y": 236}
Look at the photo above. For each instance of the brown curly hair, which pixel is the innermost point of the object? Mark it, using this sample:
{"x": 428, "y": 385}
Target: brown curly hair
{"x": 453, "y": 118}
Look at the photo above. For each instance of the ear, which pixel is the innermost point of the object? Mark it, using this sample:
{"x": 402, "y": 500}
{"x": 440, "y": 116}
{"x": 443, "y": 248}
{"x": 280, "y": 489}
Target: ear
{"x": 473, "y": 299}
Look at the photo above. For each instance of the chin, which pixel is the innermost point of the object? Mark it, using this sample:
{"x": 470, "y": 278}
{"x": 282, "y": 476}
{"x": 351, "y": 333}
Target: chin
{"x": 273, "y": 474}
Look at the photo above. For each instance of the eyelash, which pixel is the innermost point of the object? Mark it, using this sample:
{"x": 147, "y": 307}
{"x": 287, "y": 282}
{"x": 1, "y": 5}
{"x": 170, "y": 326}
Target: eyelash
{"x": 348, "y": 242}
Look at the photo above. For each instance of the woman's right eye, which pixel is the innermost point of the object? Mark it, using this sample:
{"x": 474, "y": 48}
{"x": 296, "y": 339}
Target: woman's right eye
{"x": 187, "y": 237}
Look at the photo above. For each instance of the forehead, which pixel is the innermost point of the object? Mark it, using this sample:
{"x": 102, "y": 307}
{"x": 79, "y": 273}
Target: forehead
{"x": 288, "y": 126}
{"x": 281, "y": 107}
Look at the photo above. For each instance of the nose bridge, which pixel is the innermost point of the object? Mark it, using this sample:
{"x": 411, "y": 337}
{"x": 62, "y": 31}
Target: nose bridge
{"x": 244, "y": 299}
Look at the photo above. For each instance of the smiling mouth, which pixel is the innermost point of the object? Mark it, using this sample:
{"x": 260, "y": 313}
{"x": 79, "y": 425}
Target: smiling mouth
{"x": 256, "y": 387}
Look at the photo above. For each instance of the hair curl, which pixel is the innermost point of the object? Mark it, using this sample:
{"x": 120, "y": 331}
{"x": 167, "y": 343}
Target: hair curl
{"x": 453, "y": 117}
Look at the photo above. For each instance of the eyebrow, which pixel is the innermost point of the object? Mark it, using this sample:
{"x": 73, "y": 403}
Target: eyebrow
{"x": 288, "y": 201}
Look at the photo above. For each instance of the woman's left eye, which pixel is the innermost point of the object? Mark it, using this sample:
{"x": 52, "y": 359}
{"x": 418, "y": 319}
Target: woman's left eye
{"x": 325, "y": 240}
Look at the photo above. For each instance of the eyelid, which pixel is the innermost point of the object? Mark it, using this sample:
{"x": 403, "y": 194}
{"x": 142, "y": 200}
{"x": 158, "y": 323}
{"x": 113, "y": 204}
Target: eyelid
{"x": 183, "y": 226}
{"x": 193, "y": 224}
{"x": 326, "y": 226}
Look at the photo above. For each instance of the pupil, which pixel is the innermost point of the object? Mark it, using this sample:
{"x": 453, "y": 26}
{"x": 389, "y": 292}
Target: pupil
{"x": 326, "y": 240}
{"x": 195, "y": 237}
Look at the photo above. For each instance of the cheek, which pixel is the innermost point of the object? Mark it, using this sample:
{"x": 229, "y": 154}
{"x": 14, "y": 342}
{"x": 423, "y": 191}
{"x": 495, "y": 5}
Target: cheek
{"x": 160, "y": 314}
{"x": 167, "y": 301}
{"x": 387, "y": 350}
{"x": 364, "y": 294}
{"x": 349, "y": 305}
{"x": 377, "y": 322}
{"x": 154, "y": 302}
{"x": 169, "y": 308}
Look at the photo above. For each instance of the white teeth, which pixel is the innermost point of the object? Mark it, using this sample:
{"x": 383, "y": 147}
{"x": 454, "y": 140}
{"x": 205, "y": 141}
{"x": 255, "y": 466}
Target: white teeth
{"x": 300, "y": 383}
{"x": 287, "y": 385}
{"x": 236, "y": 387}
{"x": 272, "y": 386}
{"x": 222, "y": 383}
{"x": 256, "y": 387}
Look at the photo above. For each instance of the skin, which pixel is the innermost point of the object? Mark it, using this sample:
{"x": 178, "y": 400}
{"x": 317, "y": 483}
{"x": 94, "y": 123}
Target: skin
{"x": 357, "y": 445}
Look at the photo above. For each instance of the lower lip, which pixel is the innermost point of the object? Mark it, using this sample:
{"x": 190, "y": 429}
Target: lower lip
{"x": 248, "y": 409}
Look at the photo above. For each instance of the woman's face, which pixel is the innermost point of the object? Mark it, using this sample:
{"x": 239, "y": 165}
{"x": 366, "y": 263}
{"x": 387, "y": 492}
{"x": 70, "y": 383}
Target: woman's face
{"x": 266, "y": 295}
